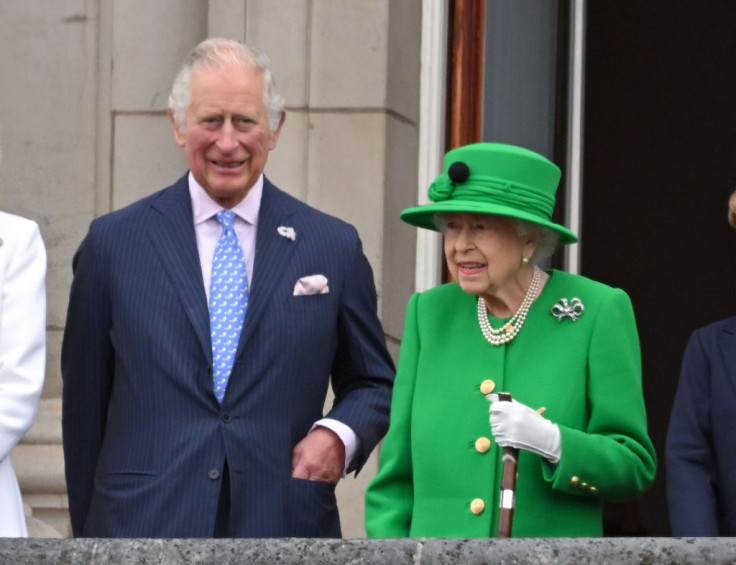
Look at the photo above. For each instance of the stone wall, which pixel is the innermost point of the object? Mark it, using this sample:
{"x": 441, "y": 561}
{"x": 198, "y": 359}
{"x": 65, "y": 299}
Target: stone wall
{"x": 84, "y": 131}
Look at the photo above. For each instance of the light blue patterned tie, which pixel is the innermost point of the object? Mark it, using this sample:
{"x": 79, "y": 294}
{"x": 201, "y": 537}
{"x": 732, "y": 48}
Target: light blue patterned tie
{"x": 228, "y": 302}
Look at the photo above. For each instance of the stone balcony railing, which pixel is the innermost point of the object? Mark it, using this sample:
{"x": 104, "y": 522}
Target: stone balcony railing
{"x": 550, "y": 551}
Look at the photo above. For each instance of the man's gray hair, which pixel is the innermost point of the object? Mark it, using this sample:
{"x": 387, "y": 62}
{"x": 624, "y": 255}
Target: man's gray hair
{"x": 218, "y": 51}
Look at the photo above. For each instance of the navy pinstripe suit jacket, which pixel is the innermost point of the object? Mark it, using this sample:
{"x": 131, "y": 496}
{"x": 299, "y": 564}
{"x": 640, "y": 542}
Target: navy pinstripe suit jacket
{"x": 145, "y": 440}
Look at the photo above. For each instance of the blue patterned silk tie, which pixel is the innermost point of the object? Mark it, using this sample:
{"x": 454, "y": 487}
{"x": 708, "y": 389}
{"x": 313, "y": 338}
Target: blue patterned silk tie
{"x": 228, "y": 302}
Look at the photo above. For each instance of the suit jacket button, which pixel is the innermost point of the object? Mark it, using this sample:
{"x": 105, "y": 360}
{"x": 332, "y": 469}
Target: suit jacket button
{"x": 487, "y": 386}
{"x": 575, "y": 481}
{"x": 214, "y": 474}
{"x": 477, "y": 506}
{"x": 225, "y": 417}
{"x": 482, "y": 444}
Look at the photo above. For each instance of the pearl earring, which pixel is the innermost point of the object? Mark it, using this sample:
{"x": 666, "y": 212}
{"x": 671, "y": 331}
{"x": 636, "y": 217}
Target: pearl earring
{"x": 525, "y": 260}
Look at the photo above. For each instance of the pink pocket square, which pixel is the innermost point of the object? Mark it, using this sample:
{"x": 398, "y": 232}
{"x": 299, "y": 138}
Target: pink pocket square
{"x": 313, "y": 284}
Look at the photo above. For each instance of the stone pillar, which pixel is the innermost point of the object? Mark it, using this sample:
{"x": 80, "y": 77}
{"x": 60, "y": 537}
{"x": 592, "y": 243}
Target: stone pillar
{"x": 48, "y": 117}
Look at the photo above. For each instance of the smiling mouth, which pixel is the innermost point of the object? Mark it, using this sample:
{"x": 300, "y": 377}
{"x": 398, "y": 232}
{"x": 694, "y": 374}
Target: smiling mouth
{"x": 470, "y": 268}
{"x": 229, "y": 164}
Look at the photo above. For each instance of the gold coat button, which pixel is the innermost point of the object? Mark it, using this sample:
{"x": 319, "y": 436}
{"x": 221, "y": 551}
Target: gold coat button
{"x": 477, "y": 506}
{"x": 593, "y": 490}
{"x": 487, "y": 386}
{"x": 575, "y": 481}
{"x": 584, "y": 486}
{"x": 482, "y": 444}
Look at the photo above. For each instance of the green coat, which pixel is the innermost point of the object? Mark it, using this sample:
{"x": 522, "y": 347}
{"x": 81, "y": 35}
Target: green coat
{"x": 587, "y": 374}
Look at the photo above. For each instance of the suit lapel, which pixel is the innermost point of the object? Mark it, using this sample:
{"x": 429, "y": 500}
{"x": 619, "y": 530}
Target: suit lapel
{"x": 273, "y": 253}
{"x": 172, "y": 235}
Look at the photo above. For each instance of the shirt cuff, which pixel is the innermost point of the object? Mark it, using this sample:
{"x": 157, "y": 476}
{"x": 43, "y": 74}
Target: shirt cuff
{"x": 348, "y": 437}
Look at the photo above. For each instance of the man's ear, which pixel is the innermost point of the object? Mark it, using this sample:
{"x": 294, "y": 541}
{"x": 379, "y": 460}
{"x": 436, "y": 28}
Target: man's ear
{"x": 179, "y": 134}
{"x": 277, "y": 132}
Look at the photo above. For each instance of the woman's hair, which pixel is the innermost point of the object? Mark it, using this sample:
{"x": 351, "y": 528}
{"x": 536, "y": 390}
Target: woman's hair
{"x": 547, "y": 238}
{"x": 213, "y": 52}
{"x": 732, "y": 210}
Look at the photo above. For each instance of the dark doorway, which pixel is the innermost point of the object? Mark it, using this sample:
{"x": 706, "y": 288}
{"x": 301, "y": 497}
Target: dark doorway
{"x": 659, "y": 165}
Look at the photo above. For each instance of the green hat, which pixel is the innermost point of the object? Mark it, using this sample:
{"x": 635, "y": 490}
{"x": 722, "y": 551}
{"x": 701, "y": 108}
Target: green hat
{"x": 493, "y": 178}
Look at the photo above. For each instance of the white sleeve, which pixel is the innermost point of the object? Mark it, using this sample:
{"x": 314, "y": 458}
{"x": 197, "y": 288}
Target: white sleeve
{"x": 22, "y": 328}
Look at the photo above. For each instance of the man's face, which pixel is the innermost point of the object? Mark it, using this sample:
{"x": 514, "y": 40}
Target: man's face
{"x": 227, "y": 137}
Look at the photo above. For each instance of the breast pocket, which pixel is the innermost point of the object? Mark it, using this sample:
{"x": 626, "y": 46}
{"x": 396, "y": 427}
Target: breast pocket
{"x": 312, "y": 303}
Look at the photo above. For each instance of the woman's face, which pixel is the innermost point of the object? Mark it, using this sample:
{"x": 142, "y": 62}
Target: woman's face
{"x": 484, "y": 253}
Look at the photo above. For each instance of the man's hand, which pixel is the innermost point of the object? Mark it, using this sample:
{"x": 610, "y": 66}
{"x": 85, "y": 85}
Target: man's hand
{"x": 319, "y": 457}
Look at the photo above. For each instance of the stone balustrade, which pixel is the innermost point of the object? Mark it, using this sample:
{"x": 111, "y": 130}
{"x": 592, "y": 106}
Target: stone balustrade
{"x": 598, "y": 551}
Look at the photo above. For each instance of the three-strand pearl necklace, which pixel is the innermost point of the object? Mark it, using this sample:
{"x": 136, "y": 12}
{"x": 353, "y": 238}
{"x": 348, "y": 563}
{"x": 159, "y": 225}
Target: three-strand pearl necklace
{"x": 510, "y": 329}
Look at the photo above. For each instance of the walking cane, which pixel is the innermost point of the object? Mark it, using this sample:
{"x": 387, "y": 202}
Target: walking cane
{"x": 509, "y": 458}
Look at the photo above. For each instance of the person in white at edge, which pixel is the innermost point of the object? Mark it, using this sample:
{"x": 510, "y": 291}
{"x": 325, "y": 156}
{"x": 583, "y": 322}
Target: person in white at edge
{"x": 22, "y": 352}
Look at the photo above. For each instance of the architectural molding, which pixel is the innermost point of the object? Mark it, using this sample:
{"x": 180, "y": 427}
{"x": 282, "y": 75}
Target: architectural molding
{"x": 574, "y": 166}
{"x": 432, "y": 110}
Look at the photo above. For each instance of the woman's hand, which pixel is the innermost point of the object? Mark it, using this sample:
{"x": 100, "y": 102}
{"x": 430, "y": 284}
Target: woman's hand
{"x": 514, "y": 424}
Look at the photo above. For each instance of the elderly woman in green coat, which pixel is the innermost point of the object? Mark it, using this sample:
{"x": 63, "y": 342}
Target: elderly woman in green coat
{"x": 564, "y": 346}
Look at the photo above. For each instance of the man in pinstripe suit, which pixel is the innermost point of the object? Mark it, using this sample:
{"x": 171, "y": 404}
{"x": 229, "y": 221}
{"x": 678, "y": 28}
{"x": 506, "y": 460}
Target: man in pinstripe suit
{"x": 150, "y": 450}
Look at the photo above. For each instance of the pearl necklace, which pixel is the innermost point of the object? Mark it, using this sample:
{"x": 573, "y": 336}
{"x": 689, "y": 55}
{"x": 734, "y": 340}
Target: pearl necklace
{"x": 510, "y": 329}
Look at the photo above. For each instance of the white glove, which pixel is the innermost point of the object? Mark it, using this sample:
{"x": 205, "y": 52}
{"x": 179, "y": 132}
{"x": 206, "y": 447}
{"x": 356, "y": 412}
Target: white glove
{"x": 514, "y": 424}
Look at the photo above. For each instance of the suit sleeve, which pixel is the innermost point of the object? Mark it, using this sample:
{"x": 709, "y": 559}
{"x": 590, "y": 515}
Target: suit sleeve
{"x": 691, "y": 466}
{"x": 22, "y": 338}
{"x": 390, "y": 497}
{"x": 614, "y": 453}
{"x": 87, "y": 366}
{"x": 362, "y": 370}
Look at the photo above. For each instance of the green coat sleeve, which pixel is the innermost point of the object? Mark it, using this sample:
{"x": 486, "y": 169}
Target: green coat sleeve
{"x": 613, "y": 458}
{"x": 390, "y": 497}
